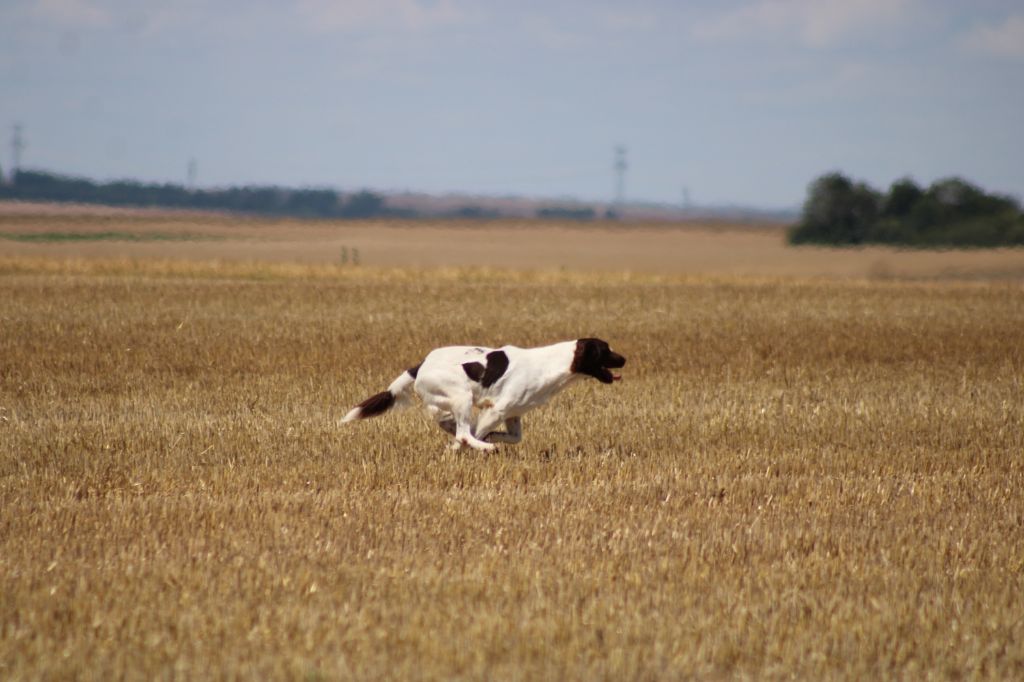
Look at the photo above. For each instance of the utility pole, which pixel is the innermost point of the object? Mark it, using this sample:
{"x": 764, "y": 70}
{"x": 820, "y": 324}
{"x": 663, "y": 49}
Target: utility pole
{"x": 620, "y": 166}
{"x": 17, "y": 145}
{"x": 193, "y": 170}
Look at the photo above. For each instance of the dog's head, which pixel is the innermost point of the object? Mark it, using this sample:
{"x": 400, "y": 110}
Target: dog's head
{"x": 595, "y": 358}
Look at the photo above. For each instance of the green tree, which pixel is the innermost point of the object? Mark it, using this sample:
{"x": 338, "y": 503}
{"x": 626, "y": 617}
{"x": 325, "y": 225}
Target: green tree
{"x": 957, "y": 199}
{"x": 837, "y": 211}
{"x": 951, "y": 212}
{"x": 903, "y": 195}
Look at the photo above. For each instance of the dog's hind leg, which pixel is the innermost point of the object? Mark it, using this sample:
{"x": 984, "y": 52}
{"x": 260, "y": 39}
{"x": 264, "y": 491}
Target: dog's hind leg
{"x": 464, "y": 432}
{"x": 443, "y": 418}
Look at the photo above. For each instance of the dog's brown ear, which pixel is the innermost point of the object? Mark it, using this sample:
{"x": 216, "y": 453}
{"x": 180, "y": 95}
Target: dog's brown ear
{"x": 593, "y": 357}
{"x": 587, "y": 358}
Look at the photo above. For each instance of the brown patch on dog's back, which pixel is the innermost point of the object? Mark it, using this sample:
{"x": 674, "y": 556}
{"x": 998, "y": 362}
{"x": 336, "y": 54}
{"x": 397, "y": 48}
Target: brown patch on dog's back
{"x": 473, "y": 370}
{"x": 497, "y": 363}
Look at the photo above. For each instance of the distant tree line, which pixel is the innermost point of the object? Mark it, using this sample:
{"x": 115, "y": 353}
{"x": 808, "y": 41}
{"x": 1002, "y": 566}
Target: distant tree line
{"x": 36, "y": 185}
{"x": 278, "y": 201}
{"x": 566, "y": 213}
{"x": 950, "y": 213}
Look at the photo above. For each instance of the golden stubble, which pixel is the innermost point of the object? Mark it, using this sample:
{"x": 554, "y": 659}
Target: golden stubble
{"x": 704, "y": 248}
{"x": 819, "y": 479}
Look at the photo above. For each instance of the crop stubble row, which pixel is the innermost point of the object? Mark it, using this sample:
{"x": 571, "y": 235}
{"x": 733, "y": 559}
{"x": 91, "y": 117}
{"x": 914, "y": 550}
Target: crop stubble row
{"x": 795, "y": 477}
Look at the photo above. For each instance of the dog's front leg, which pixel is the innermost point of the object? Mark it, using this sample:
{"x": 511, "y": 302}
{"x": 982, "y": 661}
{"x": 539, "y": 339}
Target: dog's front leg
{"x": 486, "y": 422}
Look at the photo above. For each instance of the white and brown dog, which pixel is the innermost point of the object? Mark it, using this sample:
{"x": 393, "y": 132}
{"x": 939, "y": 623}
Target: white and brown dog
{"x": 497, "y": 385}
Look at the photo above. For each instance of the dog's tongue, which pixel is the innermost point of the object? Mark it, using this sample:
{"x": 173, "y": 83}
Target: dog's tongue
{"x": 616, "y": 377}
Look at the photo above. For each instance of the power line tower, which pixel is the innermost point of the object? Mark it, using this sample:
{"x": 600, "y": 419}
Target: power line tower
{"x": 17, "y": 146}
{"x": 191, "y": 173}
{"x": 620, "y": 167}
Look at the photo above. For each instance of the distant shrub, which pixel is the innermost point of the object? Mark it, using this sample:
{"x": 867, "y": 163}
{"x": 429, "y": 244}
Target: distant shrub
{"x": 476, "y": 212}
{"x": 566, "y": 213}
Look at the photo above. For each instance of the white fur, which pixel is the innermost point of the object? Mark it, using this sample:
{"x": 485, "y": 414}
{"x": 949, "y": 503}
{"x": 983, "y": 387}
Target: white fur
{"x": 471, "y": 412}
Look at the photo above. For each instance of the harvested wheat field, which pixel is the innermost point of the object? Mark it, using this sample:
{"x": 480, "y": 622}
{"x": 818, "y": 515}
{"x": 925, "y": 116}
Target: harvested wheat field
{"x": 695, "y": 248}
{"x": 810, "y": 478}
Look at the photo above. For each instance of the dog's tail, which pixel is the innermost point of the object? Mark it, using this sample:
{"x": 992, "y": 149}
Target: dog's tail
{"x": 398, "y": 394}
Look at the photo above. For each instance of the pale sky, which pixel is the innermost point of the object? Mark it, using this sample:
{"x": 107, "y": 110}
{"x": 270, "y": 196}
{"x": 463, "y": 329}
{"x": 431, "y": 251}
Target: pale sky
{"x": 741, "y": 102}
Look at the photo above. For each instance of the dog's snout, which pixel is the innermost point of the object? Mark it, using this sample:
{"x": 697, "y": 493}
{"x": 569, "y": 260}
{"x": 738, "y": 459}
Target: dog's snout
{"x": 616, "y": 360}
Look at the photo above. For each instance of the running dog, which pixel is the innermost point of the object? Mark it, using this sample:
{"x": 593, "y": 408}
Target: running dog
{"x": 471, "y": 391}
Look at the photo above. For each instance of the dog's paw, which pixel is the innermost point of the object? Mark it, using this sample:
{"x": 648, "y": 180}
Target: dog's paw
{"x": 476, "y": 444}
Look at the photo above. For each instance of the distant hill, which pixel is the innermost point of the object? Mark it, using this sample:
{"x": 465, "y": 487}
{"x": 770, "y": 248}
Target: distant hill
{"x": 470, "y": 205}
{"x": 37, "y": 185}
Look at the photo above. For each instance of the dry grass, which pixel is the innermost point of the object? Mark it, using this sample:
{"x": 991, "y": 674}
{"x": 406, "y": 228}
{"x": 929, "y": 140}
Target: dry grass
{"x": 697, "y": 248}
{"x": 810, "y": 479}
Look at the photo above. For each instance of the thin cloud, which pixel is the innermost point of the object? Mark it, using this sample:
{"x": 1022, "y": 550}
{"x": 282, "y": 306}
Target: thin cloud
{"x": 1000, "y": 40}
{"x": 78, "y": 14}
{"x": 552, "y": 36}
{"x": 628, "y": 20}
{"x": 814, "y": 23}
{"x": 411, "y": 15}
